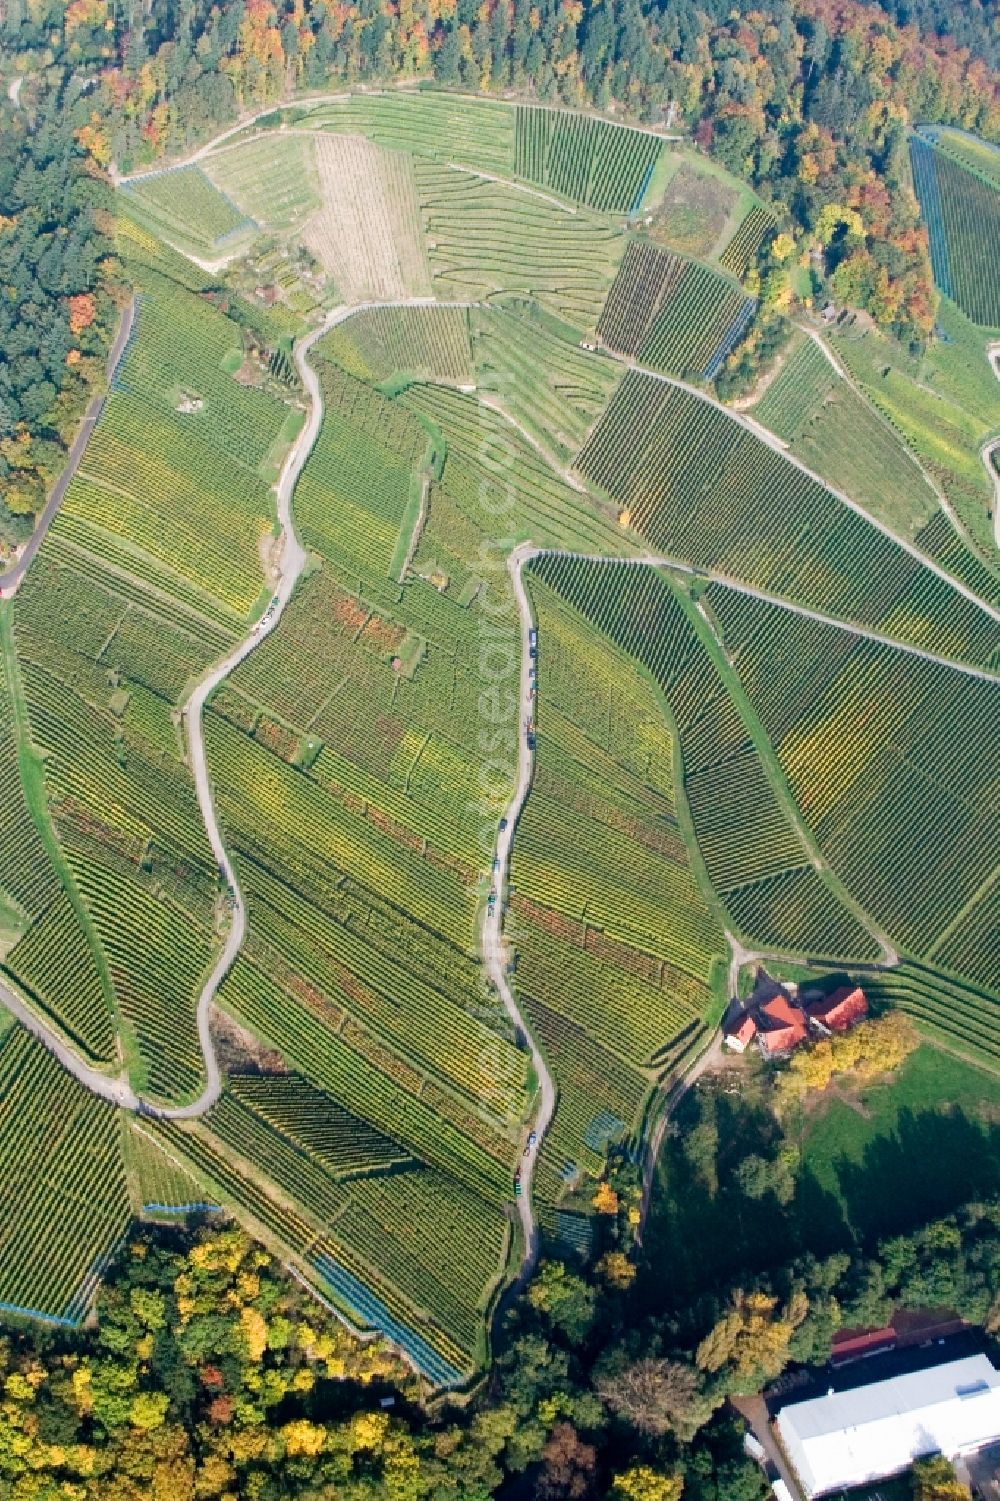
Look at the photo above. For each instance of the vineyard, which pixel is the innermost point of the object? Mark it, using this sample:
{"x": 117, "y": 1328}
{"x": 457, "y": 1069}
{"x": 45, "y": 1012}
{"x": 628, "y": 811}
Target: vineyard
{"x": 475, "y": 133}
{"x": 590, "y": 161}
{"x": 163, "y": 1187}
{"x": 709, "y": 765}
{"x": 961, "y": 208}
{"x": 619, "y": 952}
{"x": 183, "y": 207}
{"x": 970, "y": 150}
{"x": 367, "y": 232}
{"x": 132, "y": 597}
{"x": 836, "y": 432}
{"x": 352, "y": 498}
{"x": 884, "y": 758}
{"x": 673, "y": 314}
{"x": 964, "y": 1015}
{"x": 708, "y": 492}
{"x": 123, "y": 809}
{"x": 485, "y": 237}
{"x": 65, "y": 1203}
{"x": 53, "y": 962}
{"x": 273, "y": 181}
{"x": 493, "y": 470}
{"x": 553, "y": 389}
{"x": 743, "y": 249}
{"x": 753, "y": 853}
{"x": 431, "y": 343}
{"x": 180, "y": 438}
{"x": 943, "y": 404}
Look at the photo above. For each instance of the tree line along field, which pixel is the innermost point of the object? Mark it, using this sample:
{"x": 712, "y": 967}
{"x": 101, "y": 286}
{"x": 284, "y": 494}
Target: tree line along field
{"x": 673, "y": 314}
{"x": 960, "y": 204}
{"x": 708, "y": 492}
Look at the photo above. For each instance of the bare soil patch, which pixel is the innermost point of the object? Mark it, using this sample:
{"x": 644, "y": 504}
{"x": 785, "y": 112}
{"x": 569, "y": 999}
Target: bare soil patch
{"x": 367, "y": 235}
{"x": 693, "y": 211}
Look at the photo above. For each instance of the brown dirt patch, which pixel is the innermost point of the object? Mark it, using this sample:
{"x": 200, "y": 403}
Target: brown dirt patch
{"x": 693, "y": 211}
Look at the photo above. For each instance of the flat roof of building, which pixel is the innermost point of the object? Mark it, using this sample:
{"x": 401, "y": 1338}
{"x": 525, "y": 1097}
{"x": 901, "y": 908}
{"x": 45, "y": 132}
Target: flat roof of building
{"x": 851, "y": 1437}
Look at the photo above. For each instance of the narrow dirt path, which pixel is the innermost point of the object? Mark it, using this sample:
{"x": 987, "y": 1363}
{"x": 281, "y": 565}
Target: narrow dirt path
{"x": 292, "y": 563}
{"x": 11, "y": 579}
{"x": 928, "y": 478}
{"x": 662, "y": 560}
{"x": 118, "y": 1090}
{"x": 494, "y": 951}
{"x": 493, "y": 948}
{"x": 307, "y": 101}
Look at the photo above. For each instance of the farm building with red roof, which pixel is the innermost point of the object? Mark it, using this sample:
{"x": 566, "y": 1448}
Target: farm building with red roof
{"x": 840, "y": 1010}
{"x": 781, "y": 1026}
{"x": 774, "y": 1017}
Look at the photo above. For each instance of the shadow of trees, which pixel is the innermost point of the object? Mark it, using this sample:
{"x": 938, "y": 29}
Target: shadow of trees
{"x": 705, "y": 1232}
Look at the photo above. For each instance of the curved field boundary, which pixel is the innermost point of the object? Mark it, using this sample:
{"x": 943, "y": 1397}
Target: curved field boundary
{"x": 118, "y": 1090}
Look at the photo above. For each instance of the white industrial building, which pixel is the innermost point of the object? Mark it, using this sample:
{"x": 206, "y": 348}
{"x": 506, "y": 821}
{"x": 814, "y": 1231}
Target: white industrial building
{"x": 852, "y": 1437}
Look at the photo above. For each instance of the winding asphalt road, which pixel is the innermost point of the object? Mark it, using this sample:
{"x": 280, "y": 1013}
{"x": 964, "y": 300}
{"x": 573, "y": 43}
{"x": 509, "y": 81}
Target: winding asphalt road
{"x": 293, "y": 559}
{"x": 494, "y": 949}
{"x": 989, "y": 449}
{"x": 10, "y": 580}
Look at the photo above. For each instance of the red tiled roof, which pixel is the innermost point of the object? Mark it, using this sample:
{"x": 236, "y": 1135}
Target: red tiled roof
{"x": 848, "y": 1343}
{"x": 782, "y": 1039}
{"x": 841, "y": 1009}
{"x": 783, "y": 1025}
{"x": 783, "y": 1011}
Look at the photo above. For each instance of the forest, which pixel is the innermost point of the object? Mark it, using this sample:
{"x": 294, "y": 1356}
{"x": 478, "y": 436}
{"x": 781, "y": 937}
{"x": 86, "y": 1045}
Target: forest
{"x": 210, "y": 1373}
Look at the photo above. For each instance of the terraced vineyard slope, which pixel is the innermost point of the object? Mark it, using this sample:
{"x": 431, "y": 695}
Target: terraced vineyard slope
{"x": 673, "y": 314}
{"x": 756, "y": 716}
